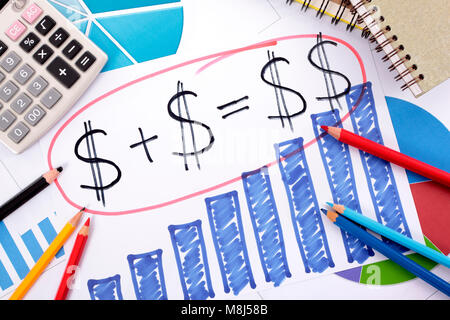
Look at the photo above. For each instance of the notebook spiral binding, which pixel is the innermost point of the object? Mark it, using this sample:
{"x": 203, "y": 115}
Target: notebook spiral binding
{"x": 336, "y": 17}
{"x": 397, "y": 49}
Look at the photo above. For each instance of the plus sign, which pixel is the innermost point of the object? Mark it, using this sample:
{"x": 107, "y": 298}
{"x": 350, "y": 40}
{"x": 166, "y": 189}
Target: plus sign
{"x": 144, "y": 143}
{"x": 62, "y": 72}
{"x": 42, "y": 54}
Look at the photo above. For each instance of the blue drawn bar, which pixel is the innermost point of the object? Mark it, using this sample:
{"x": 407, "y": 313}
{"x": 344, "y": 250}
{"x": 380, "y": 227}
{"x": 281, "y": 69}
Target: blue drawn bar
{"x": 225, "y": 220}
{"x": 13, "y": 252}
{"x": 32, "y": 245}
{"x": 148, "y": 275}
{"x": 379, "y": 175}
{"x": 305, "y": 210}
{"x": 50, "y": 234}
{"x": 5, "y": 279}
{"x": 266, "y": 225}
{"x": 192, "y": 261}
{"x": 341, "y": 179}
{"x": 105, "y": 289}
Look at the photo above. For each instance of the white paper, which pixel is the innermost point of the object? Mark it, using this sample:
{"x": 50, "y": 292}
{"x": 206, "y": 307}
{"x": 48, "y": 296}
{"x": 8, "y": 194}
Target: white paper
{"x": 243, "y": 142}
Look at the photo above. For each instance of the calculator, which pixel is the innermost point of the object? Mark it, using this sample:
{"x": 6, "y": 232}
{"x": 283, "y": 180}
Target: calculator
{"x": 46, "y": 64}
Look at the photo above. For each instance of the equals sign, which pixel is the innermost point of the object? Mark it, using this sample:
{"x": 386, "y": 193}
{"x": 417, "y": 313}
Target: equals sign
{"x": 232, "y": 103}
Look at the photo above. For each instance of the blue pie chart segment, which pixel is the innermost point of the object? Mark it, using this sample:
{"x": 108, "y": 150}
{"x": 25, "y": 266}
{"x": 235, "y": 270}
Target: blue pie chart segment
{"x": 128, "y": 36}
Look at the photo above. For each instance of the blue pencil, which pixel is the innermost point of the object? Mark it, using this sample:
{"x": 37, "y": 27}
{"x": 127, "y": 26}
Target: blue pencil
{"x": 388, "y": 251}
{"x": 392, "y": 234}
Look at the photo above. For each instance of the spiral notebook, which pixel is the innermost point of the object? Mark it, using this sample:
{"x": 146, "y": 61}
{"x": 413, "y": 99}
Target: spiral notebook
{"x": 340, "y": 11}
{"x": 410, "y": 32}
{"x": 414, "y": 36}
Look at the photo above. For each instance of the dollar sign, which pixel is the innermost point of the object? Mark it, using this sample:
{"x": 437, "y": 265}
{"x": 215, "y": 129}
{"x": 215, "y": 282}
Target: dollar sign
{"x": 279, "y": 91}
{"x": 327, "y": 72}
{"x": 180, "y": 98}
{"x": 95, "y": 162}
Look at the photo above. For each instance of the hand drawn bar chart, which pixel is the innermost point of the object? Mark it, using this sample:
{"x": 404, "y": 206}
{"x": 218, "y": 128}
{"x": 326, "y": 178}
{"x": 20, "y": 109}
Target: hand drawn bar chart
{"x": 148, "y": 275}
{"x": 224, "y": 216}
{"x": 15, "y": 257}
{"x": 230, "y": 236}
{"x": 341, "y": 179}
{"x": 379, "y": 175}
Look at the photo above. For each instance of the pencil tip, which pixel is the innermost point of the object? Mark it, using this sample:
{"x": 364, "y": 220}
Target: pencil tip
{"x": 76, "y": 218}
{"x": 88, "y": 222}
{"x": 324, "y": 211}
{"x": 330, "y": 204}
{"x": 59, "y": 169}
{"x": 325, "y": 128}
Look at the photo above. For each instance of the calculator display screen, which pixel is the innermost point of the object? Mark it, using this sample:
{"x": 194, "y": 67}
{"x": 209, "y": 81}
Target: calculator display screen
{"x": 3, "y": 3}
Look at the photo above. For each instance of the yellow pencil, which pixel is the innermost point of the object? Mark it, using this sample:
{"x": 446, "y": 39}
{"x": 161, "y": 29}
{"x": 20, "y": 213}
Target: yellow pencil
{"x": 46, "y": 257}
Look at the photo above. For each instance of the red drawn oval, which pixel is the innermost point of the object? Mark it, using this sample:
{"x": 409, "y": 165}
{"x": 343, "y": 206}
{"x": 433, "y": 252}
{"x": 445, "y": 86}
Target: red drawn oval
{"x": 217, "y": 57}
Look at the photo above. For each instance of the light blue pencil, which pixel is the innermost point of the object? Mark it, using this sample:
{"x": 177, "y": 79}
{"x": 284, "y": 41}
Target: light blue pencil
{"x": 391, "y": 234}
{"x": 391, "y": 253}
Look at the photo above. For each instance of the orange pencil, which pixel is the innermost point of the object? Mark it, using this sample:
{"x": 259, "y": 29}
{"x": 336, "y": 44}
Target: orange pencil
{"x": 390, "y": 155}
{"x": 73, "y": 263}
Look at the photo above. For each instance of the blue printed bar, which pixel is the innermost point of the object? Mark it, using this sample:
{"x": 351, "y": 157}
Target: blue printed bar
{"x": 379, "y": 174}
{"x": 266, "y": 225}
{"x": 225, "y": 220}
{"x": 13, "y": 253}
{"x": 32, "y": 245}
{"x": 5, "y": 279}
{"x": 192, "y": 262}
{"x": 341, "y": 179}
{"x": 305, "y": 210}
{"x": 148, "y": 275}
{"x": 50, "y": 234}
{"x": 105, "y": 289}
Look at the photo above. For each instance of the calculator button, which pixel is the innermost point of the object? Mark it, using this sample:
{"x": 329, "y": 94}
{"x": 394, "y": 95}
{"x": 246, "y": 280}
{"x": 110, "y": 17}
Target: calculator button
{"x": 72, "y": 49}
{"x": 3, "y": 48}
{"x": 21, "y": 103}
{"x": 86, "y": 61}
{"x": 59, "y": 37}
{"x": 24, "y": 74}
{"x": 19, "y": 132}
{"x": 35, "y": 115}
{"x": 45, "y": 25}
{"x": 8, "y": 91}
{"x": 2, "y": 77}
{"x": 32, "y": 13}
{"x": 7, "y": 118}
{"x": 29, "y": 42}
{"x": 37, "y": 86}
{"x": 10, "y": 62}
{"x": 15, "y": 30}
{"x": 43, "y": 54}
{"x": 51, "y": 98}
{"x": 63, "y": 72}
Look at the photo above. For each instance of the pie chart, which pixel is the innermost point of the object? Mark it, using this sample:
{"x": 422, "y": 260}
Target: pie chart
{"x": 129, "y": 31}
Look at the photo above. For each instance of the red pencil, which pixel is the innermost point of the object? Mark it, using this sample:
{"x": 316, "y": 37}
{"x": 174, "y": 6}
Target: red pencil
{"x": 72, "y": 264}
{"x": 390, "y": 155}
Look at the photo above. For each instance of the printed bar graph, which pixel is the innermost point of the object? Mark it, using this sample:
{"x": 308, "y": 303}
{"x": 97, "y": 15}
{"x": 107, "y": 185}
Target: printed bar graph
{"x": 341, "y": 179}
{"x": 266, "y": 225}
{"x": 192, "y": 261}
{"x": 105, "y": 289}
{"x": 148, "y": 275}
{"x": 305, "y": 211}
{"x": 50, "y": 234}
{"x": 5, "y": 279}
{"x": 379, "y": 175}
{"x": 32, "y": 245}
{"x": 225, "y": 220}
{"x": 12, "y": 251}
{"x": 16, "y": 257}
